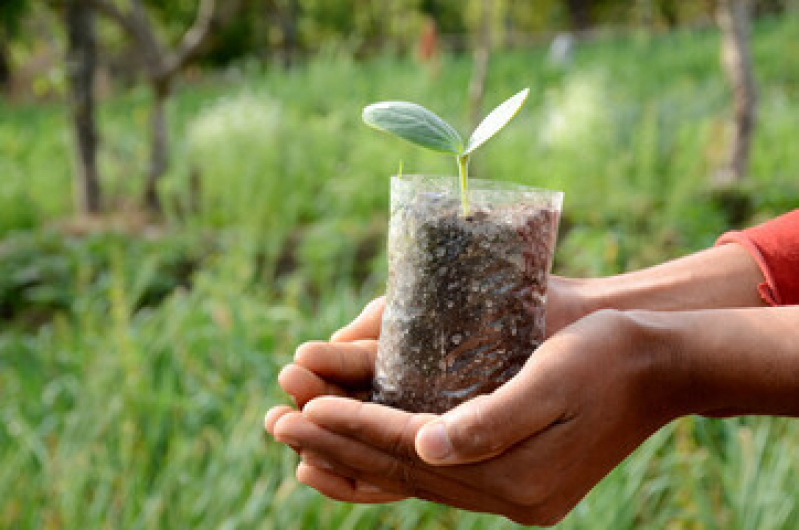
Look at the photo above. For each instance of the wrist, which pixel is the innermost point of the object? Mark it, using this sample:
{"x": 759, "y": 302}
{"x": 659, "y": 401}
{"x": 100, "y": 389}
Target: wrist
{"x": 721, "y": 362}
{"x": 719, "y": 277}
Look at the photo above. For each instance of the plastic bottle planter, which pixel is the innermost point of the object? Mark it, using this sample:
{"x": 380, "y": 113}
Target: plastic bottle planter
{"x": 466, "y": 294}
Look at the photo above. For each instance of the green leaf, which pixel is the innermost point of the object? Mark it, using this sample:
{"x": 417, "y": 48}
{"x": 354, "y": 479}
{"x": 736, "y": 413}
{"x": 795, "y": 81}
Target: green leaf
{"x": 415, "y": 124}
{"x": 495, "y": 121}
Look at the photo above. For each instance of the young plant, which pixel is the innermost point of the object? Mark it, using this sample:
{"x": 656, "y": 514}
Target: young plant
{"x": 424, "y": 128}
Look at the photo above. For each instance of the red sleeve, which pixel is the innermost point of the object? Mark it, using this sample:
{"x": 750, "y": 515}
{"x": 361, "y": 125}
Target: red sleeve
{"x": 775, "y": 246}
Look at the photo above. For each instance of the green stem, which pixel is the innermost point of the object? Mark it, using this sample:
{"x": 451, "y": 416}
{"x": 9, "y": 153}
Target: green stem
{"x": 463, "y": 172}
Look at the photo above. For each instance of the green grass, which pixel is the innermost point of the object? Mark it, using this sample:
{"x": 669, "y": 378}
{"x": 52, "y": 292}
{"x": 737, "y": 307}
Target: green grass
{"x": 135, "y": 370}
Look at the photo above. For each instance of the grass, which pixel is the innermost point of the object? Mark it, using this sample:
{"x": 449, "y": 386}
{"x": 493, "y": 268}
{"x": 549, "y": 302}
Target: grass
{"x": 135, "y": 370}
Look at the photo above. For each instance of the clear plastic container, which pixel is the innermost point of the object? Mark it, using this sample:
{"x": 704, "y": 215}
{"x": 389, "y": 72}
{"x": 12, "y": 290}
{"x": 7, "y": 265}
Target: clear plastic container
{"x": 466, "y": 297}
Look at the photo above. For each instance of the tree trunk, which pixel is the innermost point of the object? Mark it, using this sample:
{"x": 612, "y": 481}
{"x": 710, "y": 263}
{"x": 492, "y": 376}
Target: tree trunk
{"x": 5, "y": 64}
{"x": 159, "y": 145}
{"x": 670, "y": 13}
{"x": 580, "y": 14}
{"x": 161, "y": 67}
{"x": 81, "y": 67}
{"x": 289, "y": 15}
{"x": 733, "y": 20}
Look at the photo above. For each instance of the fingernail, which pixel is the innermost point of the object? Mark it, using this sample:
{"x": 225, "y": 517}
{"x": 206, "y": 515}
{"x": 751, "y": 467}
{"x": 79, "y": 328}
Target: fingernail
{"x": 316, "y": 461}
{"x": 433, "y": 442}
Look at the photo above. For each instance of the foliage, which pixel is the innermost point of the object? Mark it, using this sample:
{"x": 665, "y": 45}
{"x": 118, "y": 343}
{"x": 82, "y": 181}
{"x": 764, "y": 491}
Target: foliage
{"x": 11, "y": 13}
{"x": 423, "y": 128}
{"x": 42, "y": 272}
{"x": 124, "y": 409}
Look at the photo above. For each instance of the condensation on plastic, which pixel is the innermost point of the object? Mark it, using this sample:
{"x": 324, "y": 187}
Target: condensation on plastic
{"x": 465, "y": 304}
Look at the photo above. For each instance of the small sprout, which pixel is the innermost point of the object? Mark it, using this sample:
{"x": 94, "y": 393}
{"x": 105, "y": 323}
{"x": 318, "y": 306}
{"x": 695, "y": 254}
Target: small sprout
{"x": 418, "y": 125}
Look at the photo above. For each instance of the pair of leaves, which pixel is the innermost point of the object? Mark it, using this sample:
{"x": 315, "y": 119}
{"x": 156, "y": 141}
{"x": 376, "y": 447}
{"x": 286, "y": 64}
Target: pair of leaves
{"x": 424, "y": 128}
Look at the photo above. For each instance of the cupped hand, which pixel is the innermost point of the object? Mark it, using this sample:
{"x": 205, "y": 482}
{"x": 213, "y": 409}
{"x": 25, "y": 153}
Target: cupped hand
{"x": 529, "y": 451}
{"x": 344, "y": 367}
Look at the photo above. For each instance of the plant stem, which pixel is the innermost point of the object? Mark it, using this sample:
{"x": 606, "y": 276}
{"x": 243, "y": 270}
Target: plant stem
{"x": 463, "y": 172}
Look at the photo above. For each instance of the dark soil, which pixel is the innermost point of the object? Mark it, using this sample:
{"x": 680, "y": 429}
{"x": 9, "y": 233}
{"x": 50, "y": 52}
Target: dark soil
{"x": 466, "y": 301}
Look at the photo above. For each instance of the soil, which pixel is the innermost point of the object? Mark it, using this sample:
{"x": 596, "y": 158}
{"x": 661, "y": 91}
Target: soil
{"x": 465, "y": 305}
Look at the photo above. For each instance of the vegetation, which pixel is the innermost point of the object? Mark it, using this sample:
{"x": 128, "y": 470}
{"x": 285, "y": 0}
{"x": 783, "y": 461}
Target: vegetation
{"x": 423, "y": 128}
{"x": 137, "y": 360}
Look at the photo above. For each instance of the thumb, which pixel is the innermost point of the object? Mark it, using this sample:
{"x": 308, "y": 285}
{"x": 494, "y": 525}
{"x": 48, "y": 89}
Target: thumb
{"x": 365, "y": 326}
{"x": 488, "y": 425}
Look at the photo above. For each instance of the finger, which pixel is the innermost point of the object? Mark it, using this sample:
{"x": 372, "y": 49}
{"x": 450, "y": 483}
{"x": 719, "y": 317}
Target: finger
{"x": 274, "y": 414}
{"x": 399, "y": 475}
{"x": 335, "y": 468}
{"x": 300, "y": 430}
{"x": 488, "y": 425}
{"x": 271, "y": 420}
{"x": 365, "y": 326}
{"x": 349, "y": 364}
{"x": 341, "y": 488}
{"x": 385, "y": 428}
{"x": 303, "y": 385}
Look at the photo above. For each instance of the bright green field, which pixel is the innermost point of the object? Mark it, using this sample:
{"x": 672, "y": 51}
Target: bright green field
{"x": 135, "y": 370}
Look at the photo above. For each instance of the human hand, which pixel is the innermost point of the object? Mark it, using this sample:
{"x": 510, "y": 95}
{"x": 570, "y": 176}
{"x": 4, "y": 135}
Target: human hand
{"x": 605, "y": 420}
{"x": 344, "y": 366}
{"x": 530, "y": 451}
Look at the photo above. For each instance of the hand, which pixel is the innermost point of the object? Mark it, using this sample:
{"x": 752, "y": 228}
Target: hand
{"x": 344, "y": 366}
{"x": 497, "y": 453}
{"x": 344, "y": 443}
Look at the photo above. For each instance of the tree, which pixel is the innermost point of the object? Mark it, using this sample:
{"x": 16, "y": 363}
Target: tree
{"x": 5, "y": 64}
{"x": 580, "y": 14}
{"x": 160, "y": 65}
{"x": 733, "y": 20}
{"x": 11, "y": 13}
{"x": 81, "y": 67}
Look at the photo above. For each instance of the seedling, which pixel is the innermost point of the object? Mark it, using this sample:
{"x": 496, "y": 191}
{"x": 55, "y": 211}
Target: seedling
{"x": 418, "y": 125}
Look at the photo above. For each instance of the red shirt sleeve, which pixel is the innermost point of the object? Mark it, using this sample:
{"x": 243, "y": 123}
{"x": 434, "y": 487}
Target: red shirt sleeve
{"x": 775, "y": 246}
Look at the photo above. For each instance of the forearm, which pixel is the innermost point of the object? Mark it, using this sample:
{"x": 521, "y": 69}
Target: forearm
{"x": 726, "y": 361}
{"x": 719, "y": 277}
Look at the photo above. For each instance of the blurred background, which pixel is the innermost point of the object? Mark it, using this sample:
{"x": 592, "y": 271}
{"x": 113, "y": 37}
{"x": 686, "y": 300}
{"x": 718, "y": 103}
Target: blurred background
{"x": 187, "y": 193}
